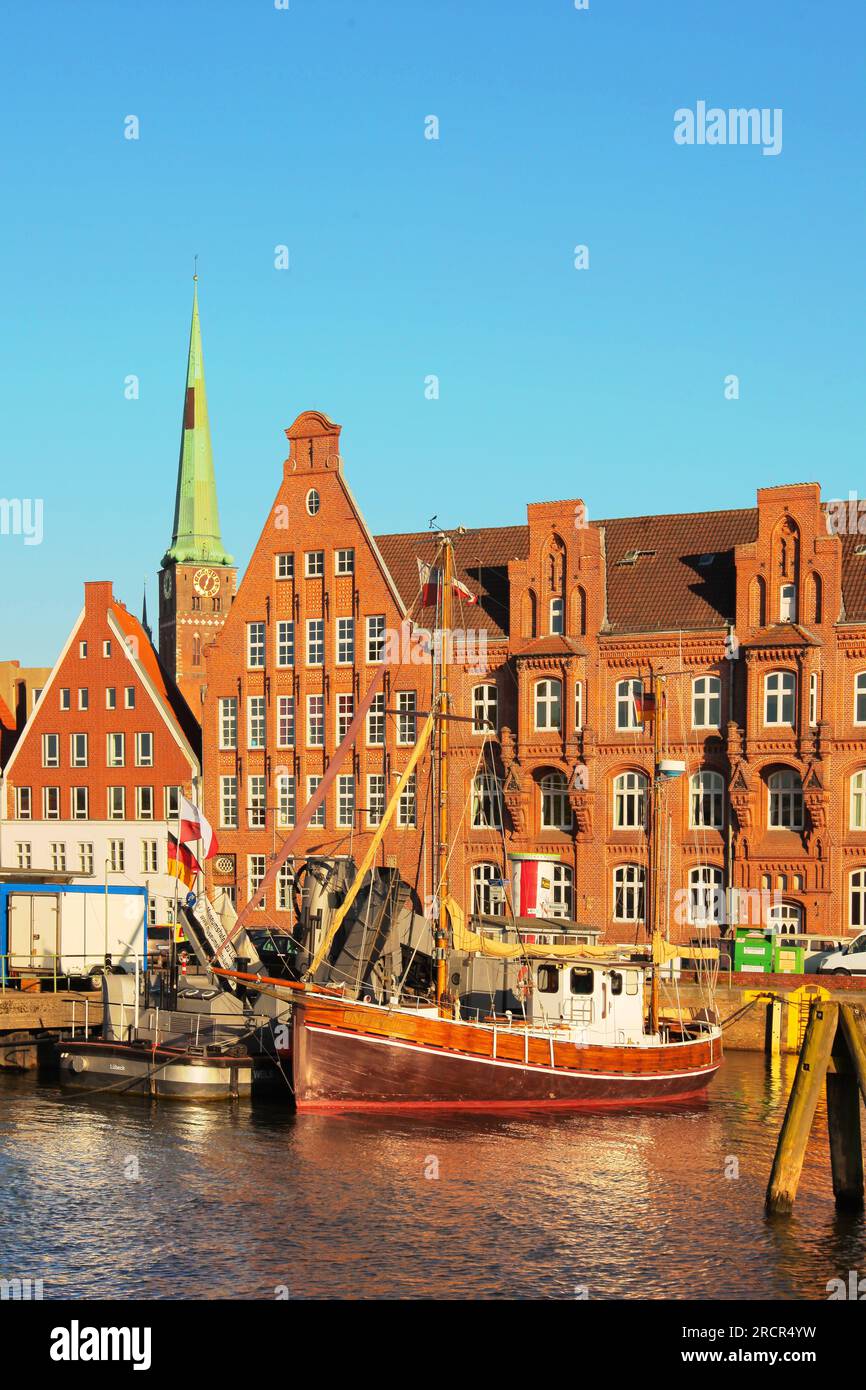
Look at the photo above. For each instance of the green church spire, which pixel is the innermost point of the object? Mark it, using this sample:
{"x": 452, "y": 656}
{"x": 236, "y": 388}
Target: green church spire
{"x": 196, "y": 537}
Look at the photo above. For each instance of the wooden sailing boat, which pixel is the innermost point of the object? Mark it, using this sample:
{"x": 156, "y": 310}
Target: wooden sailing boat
{"x": 592, "y": 1033}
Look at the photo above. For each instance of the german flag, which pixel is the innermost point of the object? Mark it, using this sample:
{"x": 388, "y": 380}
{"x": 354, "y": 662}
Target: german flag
{"x": 182, "y": 863}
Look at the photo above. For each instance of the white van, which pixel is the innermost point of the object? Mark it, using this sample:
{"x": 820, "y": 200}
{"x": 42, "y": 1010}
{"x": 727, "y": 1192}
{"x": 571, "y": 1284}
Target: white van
{"x": 850, "y": 960}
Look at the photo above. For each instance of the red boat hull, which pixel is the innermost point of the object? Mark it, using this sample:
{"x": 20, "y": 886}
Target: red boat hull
{"x": 342, "y": 1062}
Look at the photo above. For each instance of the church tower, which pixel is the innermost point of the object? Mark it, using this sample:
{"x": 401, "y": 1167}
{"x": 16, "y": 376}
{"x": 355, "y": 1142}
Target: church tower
{"x": 198, "y": 579}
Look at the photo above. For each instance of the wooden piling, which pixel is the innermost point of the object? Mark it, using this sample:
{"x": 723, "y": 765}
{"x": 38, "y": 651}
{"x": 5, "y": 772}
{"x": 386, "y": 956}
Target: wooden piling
{"x": 853, "y": 1021}
{"x": 805, "y": 1092}
{"x": 843, "y": 1124}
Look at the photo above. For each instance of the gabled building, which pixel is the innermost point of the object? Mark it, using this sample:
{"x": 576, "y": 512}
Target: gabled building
{"x": 92, "y": 785}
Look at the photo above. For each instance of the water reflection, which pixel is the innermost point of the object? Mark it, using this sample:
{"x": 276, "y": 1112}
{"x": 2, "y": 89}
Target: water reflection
{"x": 234, "y": 1202}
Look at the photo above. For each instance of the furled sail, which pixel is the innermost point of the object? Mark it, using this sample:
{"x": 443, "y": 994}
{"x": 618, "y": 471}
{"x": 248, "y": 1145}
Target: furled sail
{"x": 463, "y": 939}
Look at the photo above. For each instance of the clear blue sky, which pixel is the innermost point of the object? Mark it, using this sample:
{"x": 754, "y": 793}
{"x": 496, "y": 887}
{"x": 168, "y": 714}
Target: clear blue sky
{"x": 410, "y": 257}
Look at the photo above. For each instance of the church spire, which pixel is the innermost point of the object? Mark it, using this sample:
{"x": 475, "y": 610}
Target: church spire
{"x": 196, "y": 536}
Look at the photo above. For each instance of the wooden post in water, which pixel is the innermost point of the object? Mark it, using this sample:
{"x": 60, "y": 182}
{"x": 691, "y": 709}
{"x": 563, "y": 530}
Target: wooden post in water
{"x": 794, "y": 1135}
{"x": 843, "y": 1122}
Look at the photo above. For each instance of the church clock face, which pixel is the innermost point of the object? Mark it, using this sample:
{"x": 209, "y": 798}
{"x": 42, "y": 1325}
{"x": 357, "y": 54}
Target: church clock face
{"x": 206, "y": 582}
{"x": 166, "y": 584}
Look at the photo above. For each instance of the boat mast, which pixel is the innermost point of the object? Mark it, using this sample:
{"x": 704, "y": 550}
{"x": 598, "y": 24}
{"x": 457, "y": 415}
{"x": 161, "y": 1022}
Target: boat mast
{"x": 655, "y": 851}
{"x": 441, "y": 942}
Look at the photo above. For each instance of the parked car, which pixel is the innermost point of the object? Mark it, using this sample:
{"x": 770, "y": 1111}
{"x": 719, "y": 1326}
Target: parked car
{"x": 850, "y": 960}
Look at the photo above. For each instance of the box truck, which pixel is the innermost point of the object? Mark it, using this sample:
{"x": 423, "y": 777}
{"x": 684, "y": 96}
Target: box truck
{"x": 70, "y": 929}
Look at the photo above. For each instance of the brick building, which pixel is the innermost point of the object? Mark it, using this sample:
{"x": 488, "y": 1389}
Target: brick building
{"x": 754, "y": 618}
{"x": 92, "y": 785}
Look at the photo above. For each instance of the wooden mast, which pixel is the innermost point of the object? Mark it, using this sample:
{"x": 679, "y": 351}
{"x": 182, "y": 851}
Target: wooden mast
{"x": 654, "y": 852}
{"x": 441, "y": 942}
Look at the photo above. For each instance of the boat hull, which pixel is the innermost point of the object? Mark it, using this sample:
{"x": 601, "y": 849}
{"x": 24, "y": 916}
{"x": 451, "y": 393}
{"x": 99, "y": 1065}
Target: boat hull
{"x": 342, "y": 1062}
{"x": 166, "y": 1073}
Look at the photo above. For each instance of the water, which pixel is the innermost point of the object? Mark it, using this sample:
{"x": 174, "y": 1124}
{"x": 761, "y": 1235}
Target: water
{"x": 235, "y": 1202}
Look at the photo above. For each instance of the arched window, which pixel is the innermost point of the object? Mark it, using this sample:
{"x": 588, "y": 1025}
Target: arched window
{"x": 485, "y": 709}
{"x": 707, "y": 800}
{"x": 196, "y": 650}
{"x": 779, "y": 697}
{"x": 786, "y": 800}
{"x": 817, "y": 599}
{"x": 628, "y": 694}
{"x": 486, "y": 802}
{"x": 578, "y": 704}
{"x": 488, "y": 898}
{"x": 786, "y": 918}
{"x": 548, "y": 704}
{"x": 706, "y": 895}
{"x": 629, "y": 800}
{"x": 555, "y": 809}
{"x": 857, "y": 819}
{"x": 557, "y": 617}
{"x": 860, "y": 698}
{"x": 628, "y": 893}
{"x": 313, "y": 502}
{"x": 857, "y": 899}
{"x": 758, "y": 601}
{"x": 706, "y": 702}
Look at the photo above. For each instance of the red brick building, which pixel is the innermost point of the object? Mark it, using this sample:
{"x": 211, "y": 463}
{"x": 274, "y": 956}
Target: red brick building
{"x": 754, "y": 618}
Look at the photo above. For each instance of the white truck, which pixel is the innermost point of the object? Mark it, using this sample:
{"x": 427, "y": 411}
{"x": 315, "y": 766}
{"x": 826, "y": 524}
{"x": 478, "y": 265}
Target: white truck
{"x": 70, "y": 930}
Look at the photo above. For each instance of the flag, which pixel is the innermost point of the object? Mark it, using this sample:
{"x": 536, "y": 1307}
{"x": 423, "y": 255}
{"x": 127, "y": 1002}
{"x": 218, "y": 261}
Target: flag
{"x": 194, "y": 826}
{"x": 182, "y": 863}
{"x": 462, "y": 590}
{"x": 645, "y": 706}
{"x": 430, "y": 580}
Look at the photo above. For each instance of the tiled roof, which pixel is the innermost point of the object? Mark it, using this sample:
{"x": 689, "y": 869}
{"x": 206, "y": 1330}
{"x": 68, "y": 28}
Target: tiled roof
{"x": 158, "y": 676}
{"x": 785, "y": 635}
{"x": 854, "y": 578}
{"x": 481, "y": 560}
{"x": 553, "y": 646}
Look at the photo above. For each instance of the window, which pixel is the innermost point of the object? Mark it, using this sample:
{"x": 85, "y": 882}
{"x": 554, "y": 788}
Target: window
{"x": 707, "y": 800}
{"x": 318, "y": 817}
{"x": 857, "y": 900}
{"x": 488, "y": 899}
{"x": 285, "y": 644}
{"x": 548, "y": 704}
{"x": 196, "y": 603}
{"x": 860, "y": 698}
{"x": 285, "y": 721}
{"x": 50, "y": 750}
{"x": 228, "y": 802}
{"x": 344, "y": 562}
{"x": 779, "y": 687}
{"x": 129, "y": 697}
{"x": 485, "y": 709}
{"x": 786, "y": 800}
{"x": 547, "y": 979}
{"x": 406, "y": 721}
{"x": 787, "y": 918}
{"x": 115, "y": 750}
{"x": 486, "y": 802}
{"x": 79, "y": 803}
{"x": 345, "y": 800}
{"x": 216, "y": 604}
{"x": 82, "y": 649}
{"x": 561, "y": 891}
{"x": 172, "y": 803}
{"x": 375, "y": 798}
{"x": 628, "y": 893}
{"x": 581, "y": 980}
{"x": 315, "y": 721}
{"x": 285, "y": 880}
{"x": 116, "y": 803}
{"x": 116, "y": 856}
{"x": 814, "y": 699}
{"x": 22, "y": 803}
{"x": 376, "y": 721}
{"x": 149, "y": 857}
{"x": 228, "y": 722}
{"x": 285, "y": 566}
{"x": 556, "y": 617}
{"x": 65, "y": 694}
{"x": 314, "y": 564}
{"x": 51, "y": 803}
{"x": 85, "y": 857}
{"x": 555, "y": 810}
{"x": 255, "y": 721}
{"x": 255, "y": 645}
{"x": 144, "y": 803}
{"x": 345, "y": 715}
{"x": 285, "y": 799}
{"x": 345, "y": 641}
{"x": 24, "y": 857}
{"x": 629, "y": 801}
{"x": 375, "y": 638}
{"x": 58, "y": 857}
{"x": 83, "y": 697}
{"x": 788, "y": 603}
{"x": 313, "y": 502}
{"x": 255, "y": 873}
{"x": 706, "y": 896}
{"x": 578, "y": 704}
{"x": 706, "y": 702}
{"x": 628, "y": 704}
{"x": 406, "y": 804}
{"x": 106, "y": 647}
{"x": 858, "y": 800}
{"x": 110, "y": 697}
{"x": 256, "y": 802}
{"x": 315, "y": 641}
{"x": 144, "y": 750}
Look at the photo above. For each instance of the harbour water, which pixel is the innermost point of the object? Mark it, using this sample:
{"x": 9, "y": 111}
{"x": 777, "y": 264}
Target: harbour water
{"x": 111, "y": 1198}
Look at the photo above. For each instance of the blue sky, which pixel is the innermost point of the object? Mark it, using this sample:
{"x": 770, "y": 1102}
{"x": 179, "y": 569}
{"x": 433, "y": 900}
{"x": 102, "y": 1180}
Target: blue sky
{"x": 411, "y": 257}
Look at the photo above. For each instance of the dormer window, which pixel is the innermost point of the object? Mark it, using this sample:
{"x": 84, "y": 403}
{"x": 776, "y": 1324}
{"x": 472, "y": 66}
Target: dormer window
{"x": 788, "y": 603}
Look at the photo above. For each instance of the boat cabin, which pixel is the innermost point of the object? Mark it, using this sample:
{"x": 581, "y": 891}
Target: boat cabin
{"x": 600, "y": 1002}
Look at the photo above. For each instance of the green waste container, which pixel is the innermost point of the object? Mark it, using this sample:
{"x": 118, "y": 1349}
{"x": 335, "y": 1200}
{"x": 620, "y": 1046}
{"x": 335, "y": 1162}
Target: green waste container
{"x": 753, "y": 950}
{"x": 788, "y": 958}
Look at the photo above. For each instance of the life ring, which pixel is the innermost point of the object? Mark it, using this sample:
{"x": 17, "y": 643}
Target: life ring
{"x": 523, "y": 987}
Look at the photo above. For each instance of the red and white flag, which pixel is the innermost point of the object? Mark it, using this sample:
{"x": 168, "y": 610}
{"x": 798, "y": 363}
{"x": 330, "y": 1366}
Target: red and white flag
{"x": 462, "y": 590}
{"x": 430, "y": 579}
{"x": 194, "y": 826}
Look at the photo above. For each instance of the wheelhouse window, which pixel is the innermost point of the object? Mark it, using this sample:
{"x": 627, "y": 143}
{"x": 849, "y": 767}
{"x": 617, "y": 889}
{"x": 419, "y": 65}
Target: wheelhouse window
{"x": 786, "y": 800}
{"x": 547, "y": 979}
{"x": 487, "y": 897}
{"x": 706, "y": 895}
{"x": 628, "y": 703}
{"x": 581, "y": 980}
{"x": 628, "y": 893}
{"x": 555, "y": 808}
{"x": 779, "y": 698}
{"x": 485, "y": 709}
{"x": 629, "y": 801}
{"x": 707, "y": 800}
{"x": 706, "y": 702}
{"x": 548, "y": 705}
